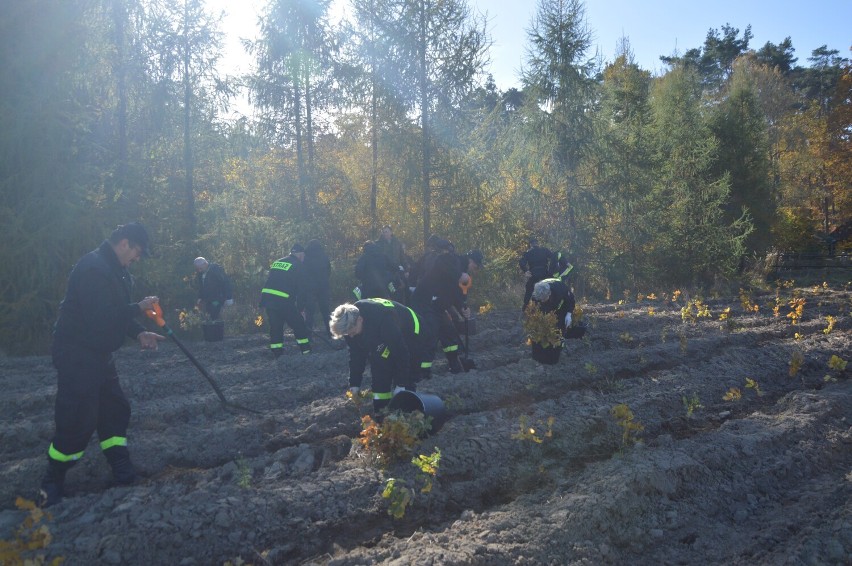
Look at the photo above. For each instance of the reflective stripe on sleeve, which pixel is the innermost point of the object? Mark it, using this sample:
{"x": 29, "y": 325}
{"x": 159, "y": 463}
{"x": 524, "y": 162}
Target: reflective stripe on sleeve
{"x": 276, "y": 292}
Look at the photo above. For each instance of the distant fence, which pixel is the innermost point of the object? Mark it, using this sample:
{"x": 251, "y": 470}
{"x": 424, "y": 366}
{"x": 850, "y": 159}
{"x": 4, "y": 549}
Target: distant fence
{"x": 789, "y": 261}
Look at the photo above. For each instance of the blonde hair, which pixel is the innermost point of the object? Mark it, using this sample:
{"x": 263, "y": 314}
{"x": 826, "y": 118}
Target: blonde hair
{"x": 541, "y": 292}
{"x": 343, "y": 320}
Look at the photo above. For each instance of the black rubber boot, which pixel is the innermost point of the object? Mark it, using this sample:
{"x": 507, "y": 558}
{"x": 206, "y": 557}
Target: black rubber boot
{"x": 123, "y": 471}
{"x": 453, "y": 363}
{"x": 53, "y": 483}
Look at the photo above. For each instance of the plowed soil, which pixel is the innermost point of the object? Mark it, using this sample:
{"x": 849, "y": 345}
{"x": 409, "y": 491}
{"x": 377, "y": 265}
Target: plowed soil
{"x": 762, "y": 479}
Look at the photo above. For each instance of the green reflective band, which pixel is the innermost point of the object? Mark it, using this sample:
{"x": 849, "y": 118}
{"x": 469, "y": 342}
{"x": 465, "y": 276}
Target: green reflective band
{"x": 425, "y": 365}
{"x": 114, "y": 441}
{"x": 567, "y": 270}
{"x": 387, "y": 395}
{"x": 276, "y": 292}
{"x": 276, "y": 346}
{"x": 562, "y": 302}
{"x": 60, "y": 457}
{"x": 306, "y": 352}
{"x": 416, "y": 321}
{"x": 302, "y": 340}
{"x": 357, "y": 292}
{"x": 386, "y": 353}
{"x": 383, "y": 302}
{"x": 550, "y": 280}
{"x": 282, "y": 265}
{"x": 451, "y": 348}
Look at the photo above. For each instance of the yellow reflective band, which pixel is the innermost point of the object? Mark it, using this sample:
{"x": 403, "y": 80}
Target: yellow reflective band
{"x": 279, "y": 345}
{"x": 451, "y": 348}
{"x": 550, "y": 280}
{"x": 282, "y": 265}
{"x": 425, "y": 365}
{"x": 276, "y": 292}
{"x": 386, "y": 353}
{"x": 302, "y": 340}
{"x": 60, "y": 457}
{"x": 114, "y": 441}
{"x": 416, "y": 321}
{"x": 306, "y": 352}
{"x": 387, "y": 395}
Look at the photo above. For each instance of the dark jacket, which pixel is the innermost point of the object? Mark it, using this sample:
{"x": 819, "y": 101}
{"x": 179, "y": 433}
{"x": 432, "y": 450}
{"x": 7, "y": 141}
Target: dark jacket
{"x": 537, "y": 261}
{"x": 374, "y": 271}
{"x": 439, "y": 288}
{"x": 96, "y": 313}
{"x": 391, "y": 330}
{"x": 214, "y": 285}
{"x": 561, "y": 300}
{"x": 393, "y": 250}
{"x": 317, "y": 266}
{"x": 285, "y": 282}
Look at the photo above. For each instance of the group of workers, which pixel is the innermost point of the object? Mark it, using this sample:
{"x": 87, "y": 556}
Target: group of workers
{"x": 402, "y": 310}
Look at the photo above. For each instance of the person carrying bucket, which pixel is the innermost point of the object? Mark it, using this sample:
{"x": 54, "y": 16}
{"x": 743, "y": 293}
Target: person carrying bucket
{"x": 552, "y": 295}
{"x": 387, "y": 335}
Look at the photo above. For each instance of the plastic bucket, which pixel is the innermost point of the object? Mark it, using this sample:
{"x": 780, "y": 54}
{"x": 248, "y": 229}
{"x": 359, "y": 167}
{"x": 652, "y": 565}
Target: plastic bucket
{"x": 576, "y": 331}
{"x": 544, "y": 355}
{"x": 428, "y": 404}
{"x": 214, "y": 330}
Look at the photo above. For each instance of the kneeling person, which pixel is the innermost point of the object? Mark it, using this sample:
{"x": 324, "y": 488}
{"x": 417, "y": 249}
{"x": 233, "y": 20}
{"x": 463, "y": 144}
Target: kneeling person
{"x": 385, "y": 334}
{"x": 552, "y": 295}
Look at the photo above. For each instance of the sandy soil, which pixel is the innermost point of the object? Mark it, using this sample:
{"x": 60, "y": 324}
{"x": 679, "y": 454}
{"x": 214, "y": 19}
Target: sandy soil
{"x": 765, "y": 479}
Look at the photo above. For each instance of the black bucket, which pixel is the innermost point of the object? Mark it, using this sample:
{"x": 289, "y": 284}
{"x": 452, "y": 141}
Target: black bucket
{"x": 576, "y": 331}
{"x": 549, "y": 355}
{"x": 428, "y": 404}
{"x": 214, "y": 330}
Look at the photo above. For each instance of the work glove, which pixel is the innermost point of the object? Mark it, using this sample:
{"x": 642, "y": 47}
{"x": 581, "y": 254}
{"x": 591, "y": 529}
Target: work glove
{"x": 355, "y": 391}
{"x": 568, "y": 320}
{"x": 229, "y": 303}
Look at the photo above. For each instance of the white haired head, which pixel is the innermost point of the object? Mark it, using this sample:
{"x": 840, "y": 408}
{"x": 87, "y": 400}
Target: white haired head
{"x": 200, "y": 264}
{"x": 343, "y": 320}
{"x": 541, "y": 292}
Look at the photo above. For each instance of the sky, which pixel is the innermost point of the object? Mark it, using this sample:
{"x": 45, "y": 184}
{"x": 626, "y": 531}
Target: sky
{"x": 653, "y": 28}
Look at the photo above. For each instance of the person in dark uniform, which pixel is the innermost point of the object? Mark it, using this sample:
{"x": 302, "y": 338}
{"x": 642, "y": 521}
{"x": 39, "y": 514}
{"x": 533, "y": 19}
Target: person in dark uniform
{"x": 535, "y": 263}
{"x": 317, "y": 275}
{"x": 285, "y": 285}
{"x": 552, "y": 295}
{"x": 214, "y": 287}
{"x": 95, "y": 318}
{"x": 440, "y": 290}
{"x": 375, "y": 272}
{"x": 387, "y": 335}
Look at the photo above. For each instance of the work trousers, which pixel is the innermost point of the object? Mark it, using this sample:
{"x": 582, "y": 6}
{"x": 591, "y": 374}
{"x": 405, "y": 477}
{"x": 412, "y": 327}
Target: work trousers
{"x": 89, "y": 398}
{"x": 288, "y": 313}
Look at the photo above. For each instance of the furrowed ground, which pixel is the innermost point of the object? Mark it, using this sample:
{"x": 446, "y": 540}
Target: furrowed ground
{"x": 738, "y": 460}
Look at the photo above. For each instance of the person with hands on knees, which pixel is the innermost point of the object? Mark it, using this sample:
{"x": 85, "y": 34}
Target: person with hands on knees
{"x": 214, "y": 287}
{"x": 552, "y": 295}
{"x": 95, "y": 318}
{"x": 388, "y": 336}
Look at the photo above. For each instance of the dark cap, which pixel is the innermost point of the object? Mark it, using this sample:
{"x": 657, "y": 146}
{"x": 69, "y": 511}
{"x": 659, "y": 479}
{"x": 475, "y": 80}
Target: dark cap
{"x": 297, "y": 248}
{"x": 477, "y": 257}
{"x": 135, "y": 233}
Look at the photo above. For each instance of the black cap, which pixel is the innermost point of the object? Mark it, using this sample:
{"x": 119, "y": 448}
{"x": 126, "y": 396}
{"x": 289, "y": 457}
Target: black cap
{"x": 297, "y": 248}
{"x": 477, "y": 257}
{"x": 136, "y": 234}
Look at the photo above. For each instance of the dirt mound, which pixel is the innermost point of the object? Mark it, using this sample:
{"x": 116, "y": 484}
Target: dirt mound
{"x": 534, "y": 467}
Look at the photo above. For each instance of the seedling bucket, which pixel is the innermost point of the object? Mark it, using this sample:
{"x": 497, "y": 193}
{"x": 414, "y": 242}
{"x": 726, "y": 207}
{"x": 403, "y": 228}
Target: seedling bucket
{"x": 576, "y": 331}
{"x": 546, "y": 355}
{"x": 428, "y": 404}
